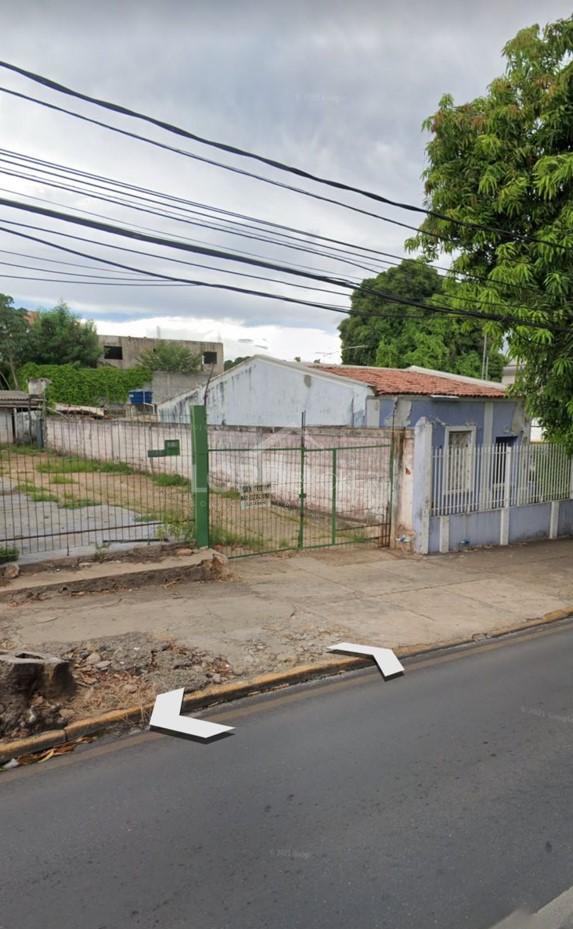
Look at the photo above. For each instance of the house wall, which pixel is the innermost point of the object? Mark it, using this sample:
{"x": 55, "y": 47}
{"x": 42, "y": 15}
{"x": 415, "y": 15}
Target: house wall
{"x": 491, "y": 418}
{"x": 265, "y": 393}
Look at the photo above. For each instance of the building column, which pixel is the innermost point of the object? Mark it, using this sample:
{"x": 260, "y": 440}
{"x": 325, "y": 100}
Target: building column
{"x": 554, "y": 519}
{"x": 423, "y": 485}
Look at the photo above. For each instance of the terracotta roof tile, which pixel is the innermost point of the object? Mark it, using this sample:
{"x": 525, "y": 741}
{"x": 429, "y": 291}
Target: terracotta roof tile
{"x": 403, "y": 381}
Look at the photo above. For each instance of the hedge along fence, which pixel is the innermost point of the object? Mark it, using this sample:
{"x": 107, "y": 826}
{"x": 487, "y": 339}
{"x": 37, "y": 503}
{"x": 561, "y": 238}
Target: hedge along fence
{"x": 85, "y": 386}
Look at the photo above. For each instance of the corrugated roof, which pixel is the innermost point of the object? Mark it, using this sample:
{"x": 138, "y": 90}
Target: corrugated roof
{"x": 406, "y": 381}
{"x": 15, "y": 398}
{"x": 13, "y": 395}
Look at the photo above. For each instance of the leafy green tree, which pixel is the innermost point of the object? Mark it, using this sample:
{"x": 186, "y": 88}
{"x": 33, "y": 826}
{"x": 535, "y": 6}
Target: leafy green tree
{"x": 59, "y": 337}
{"x": 504, "y": 163}
{"x": 230, "y": 363}
{"x": 14, "y": 340}
{"x": 381, "y": 332}
{"x": 169, "y": 356}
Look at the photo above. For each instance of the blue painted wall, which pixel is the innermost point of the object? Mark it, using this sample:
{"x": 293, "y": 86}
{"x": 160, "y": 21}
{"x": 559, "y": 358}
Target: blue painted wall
{"x": 508, "y": 417}
{"x": 529, "y": 522}
{"x": 526, "y": 523}
{"x": 565, "y": 523}
{"x": 467, "y": 530}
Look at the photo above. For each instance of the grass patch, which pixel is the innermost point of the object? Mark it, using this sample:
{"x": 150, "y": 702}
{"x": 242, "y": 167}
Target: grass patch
{"x": 170, "y": 525}
{"x": 75, "y": 465}
{"x": 219, "y": 536}
{"x": 35, "y": 493}
{"x": 23, "y": 449}
{"x": 8, "y": 553}
{"x": 77, "y": 503}
{"x": 226, "y": 494}
{"x": 60, "y": 479}
{"x": 171, "y": 480}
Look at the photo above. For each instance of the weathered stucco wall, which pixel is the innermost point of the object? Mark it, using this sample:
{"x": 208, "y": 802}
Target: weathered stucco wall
{"x": 357, "y": 476}
{"x": 263, "y": 392}
{"x": 492, "y": 418}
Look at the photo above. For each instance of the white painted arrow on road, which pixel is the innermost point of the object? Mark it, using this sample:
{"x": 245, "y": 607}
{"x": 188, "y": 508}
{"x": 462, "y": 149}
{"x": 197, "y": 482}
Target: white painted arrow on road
{"x": 384, "y": 657}
{"x": 167, "y": 717}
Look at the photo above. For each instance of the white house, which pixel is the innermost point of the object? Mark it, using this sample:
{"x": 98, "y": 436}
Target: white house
{"x": 263, "y": 391}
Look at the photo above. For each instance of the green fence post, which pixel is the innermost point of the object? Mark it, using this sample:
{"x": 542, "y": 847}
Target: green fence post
{"x": 333, "y": 502}
{"x": 200, "y": 450}
{"x": 301, "y": 495}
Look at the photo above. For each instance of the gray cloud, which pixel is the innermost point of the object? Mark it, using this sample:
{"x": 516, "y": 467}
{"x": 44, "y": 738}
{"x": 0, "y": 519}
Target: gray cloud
{"x": 336, "y": 87}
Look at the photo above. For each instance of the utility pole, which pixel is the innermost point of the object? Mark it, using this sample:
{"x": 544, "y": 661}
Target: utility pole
{"x": 484, "y": 359}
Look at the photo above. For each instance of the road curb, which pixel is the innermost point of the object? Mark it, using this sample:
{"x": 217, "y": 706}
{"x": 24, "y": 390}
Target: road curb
{"x": 199, "y": 566}
{"x": 225, "y": 693}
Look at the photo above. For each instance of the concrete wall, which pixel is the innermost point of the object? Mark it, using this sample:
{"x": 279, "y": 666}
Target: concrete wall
{"x": 6, "y": 427}
{"x": 132, "y": 346}
{"x": 367, "y": 477}
{"x": 120, "y": 440}
{"x": 248, "y": 456}
{"x": 166, "y": 385}
{"x": 266, "y": 392}
{"x": 362, "y": 465}
{"x": 20, "y": 426}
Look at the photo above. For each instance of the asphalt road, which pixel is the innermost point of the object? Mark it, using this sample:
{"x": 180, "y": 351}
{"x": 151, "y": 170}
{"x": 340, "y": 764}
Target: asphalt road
{"x": 444, "y": 798}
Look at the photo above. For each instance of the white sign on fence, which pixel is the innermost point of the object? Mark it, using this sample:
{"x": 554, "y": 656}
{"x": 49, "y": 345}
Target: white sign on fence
{"x": 253, "y": 495}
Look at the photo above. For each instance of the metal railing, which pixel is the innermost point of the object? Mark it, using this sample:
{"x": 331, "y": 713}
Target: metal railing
{"x": 489, "y": 477}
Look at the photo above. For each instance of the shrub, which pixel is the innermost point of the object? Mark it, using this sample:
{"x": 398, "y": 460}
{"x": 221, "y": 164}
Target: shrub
{"x": 85, "y": 386}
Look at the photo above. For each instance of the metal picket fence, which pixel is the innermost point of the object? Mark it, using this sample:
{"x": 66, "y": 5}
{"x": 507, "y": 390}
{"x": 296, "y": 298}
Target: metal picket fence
{"x": 489, "y": 477}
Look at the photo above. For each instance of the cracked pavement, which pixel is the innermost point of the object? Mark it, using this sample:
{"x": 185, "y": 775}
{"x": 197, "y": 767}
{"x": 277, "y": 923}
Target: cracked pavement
{"x": 276, "y": 611}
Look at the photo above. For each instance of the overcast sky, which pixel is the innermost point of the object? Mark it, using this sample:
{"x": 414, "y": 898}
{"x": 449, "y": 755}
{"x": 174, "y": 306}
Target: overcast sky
{"x": 338, "y": 88}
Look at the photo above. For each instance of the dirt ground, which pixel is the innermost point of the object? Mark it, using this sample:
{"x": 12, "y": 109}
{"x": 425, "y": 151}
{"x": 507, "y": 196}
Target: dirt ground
{"x": 42, "y": 493}
{"x": 111, "y": 672}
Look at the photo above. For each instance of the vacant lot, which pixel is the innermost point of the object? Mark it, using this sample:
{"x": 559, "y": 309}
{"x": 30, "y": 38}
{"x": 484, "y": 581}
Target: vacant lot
{"x": 52, "y": 502}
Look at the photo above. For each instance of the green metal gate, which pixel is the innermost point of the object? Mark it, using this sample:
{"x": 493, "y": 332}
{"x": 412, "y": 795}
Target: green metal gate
{"x": 270, "y": 499}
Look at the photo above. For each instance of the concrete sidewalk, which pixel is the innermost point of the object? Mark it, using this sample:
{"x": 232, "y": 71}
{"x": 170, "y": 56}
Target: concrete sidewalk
{"x": 279, "y": 611}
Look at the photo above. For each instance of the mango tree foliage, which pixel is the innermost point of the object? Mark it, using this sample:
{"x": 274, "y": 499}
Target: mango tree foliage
{"x": 503, "y": 163}
{"x": 380, "y": 331}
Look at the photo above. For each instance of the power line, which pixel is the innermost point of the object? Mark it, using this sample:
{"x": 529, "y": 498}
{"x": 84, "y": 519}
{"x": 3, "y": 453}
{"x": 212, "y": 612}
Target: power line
{"x": 213, "y": 163}
{"x": 64, "y": 170}
{"x": 358, "y": 283}
{"x": 465, "y": 298}
{"x": 271, "y": 162}
{"x": 160, "y": 200}
{"x": 165, "y": 215}
{"x": 391, "y": 297}
{"x": 192, "y": 264}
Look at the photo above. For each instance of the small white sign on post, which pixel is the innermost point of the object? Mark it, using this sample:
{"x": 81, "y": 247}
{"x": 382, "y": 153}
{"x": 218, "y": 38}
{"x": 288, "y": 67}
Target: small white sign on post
{"x": 255, "y": 495}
